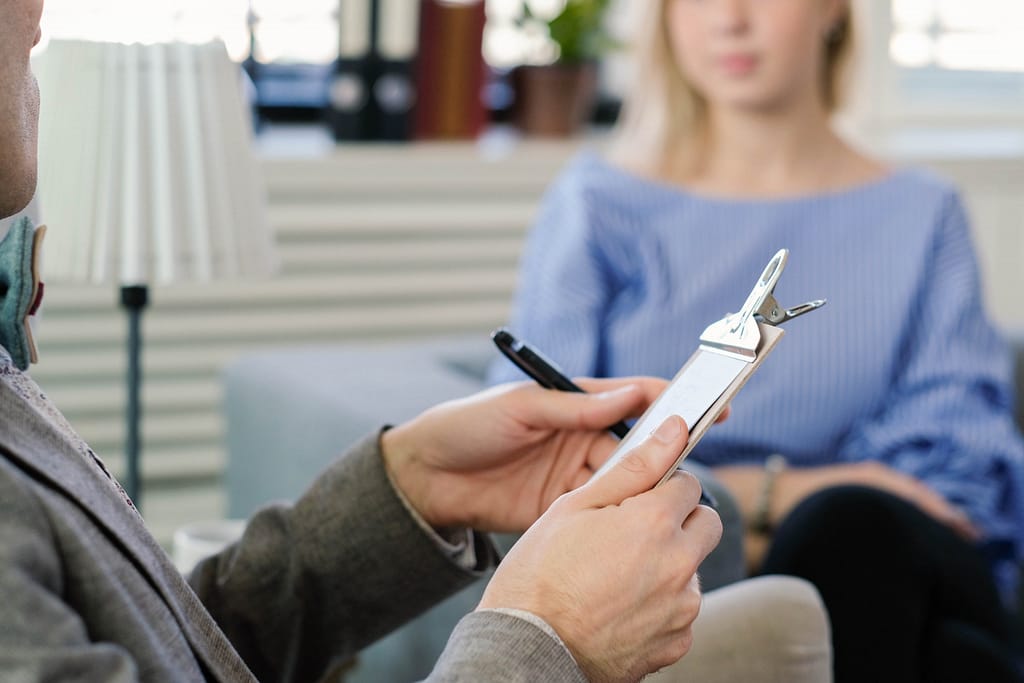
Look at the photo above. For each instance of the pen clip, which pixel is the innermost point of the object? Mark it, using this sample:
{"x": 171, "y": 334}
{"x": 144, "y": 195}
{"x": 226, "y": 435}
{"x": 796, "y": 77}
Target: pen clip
{"x": 514, "y": 350}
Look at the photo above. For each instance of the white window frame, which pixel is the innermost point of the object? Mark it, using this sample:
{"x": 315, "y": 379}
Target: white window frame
{"x": 880, "y": 96}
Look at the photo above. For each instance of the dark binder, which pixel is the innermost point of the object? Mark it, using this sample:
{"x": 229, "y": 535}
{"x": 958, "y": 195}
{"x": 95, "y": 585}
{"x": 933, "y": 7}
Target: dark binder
{"x": 373, "y": 90}
{"x": 349, "y": 92}
{"x": 396, "y": 33}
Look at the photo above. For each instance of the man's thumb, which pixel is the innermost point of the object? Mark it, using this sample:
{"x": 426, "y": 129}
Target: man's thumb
{"x": 641, "y": 468}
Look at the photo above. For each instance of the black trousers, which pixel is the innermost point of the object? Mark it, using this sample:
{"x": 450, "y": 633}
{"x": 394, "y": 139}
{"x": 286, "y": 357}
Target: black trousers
{"x": 908, "y": 599}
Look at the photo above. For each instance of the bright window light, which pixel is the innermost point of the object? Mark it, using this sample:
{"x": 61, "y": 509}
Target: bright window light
{"x": 913, "y": 14}
{"x": 980, "y": 35}
{"x": 295, "y": 31}
{"x": 131, "y": 21}
{"x": 912, "y": 48}
{"x": 979, "y": 52}
{"x": 286, "y": 30}
{"x": 294, "y": 9}
{"x": 296, "y": 40}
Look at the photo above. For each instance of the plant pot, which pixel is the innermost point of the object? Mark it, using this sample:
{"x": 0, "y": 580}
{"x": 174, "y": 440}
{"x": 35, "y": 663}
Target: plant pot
{"x": 554, "y": 100}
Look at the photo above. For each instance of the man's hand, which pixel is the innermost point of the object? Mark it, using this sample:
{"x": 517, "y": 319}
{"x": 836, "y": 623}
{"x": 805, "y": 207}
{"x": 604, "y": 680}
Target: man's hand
{"x": 612, "y": 566}
{"x": 496, "y": 461}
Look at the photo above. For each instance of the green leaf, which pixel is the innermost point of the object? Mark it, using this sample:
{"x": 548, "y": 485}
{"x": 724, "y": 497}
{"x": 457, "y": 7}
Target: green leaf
{"x": 578, "y": 30}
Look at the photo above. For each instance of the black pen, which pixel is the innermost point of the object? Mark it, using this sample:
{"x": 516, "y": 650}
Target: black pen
{"x": 544, "y": 371}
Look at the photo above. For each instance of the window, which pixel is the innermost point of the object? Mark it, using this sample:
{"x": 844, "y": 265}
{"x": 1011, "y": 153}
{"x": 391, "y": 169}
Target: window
{"x": 945, "y": 61}
{"x": 130, "y": 21}
{"x": 295, "y": 31}
{"x": 506, "y": 44}
{"x": 290, "y": 31}
{"x": 954, "y": 35}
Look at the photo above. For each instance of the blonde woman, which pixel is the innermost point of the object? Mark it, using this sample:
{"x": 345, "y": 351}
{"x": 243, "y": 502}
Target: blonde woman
{"x": 875, "y": 453}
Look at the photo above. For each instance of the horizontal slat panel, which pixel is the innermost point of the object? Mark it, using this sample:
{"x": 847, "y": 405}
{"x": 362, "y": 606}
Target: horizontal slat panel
{"x": 387, "y": 220}
{"x": 291, "y": 180}
{"x": 177, "y": 433}
{"x": 197, "y": 327}
{"x": 167, "y": 508}
{"x": 100, "y": 408}
{"x": 434, "y": 157}
{"x": 421, "y": 254}
{"x": 165, "y": 465}
{"x": 339, "y": 289}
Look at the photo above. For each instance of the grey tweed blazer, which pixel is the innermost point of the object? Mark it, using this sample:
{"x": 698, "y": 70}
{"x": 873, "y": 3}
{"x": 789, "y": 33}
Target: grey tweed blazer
{"x": 86, "y": 594}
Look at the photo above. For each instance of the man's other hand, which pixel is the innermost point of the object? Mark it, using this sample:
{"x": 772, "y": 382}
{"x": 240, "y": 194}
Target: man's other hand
{"x": 612, "y": 566}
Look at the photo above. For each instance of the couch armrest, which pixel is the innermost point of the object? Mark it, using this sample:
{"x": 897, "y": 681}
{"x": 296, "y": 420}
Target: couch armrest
{"x": 290, "y": 411}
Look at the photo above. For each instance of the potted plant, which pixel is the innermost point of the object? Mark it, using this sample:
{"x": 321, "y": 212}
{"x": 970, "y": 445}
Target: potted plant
{"x": 556, "y": 96}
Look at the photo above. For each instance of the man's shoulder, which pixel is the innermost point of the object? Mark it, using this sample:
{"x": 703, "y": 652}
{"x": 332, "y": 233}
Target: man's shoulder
{"x": 18, "y": 489}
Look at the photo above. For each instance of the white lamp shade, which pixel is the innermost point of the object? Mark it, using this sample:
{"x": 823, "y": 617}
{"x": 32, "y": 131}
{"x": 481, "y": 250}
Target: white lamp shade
{"x": 146, "y": 171}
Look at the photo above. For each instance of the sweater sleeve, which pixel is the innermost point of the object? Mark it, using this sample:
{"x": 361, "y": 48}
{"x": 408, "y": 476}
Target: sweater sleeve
{"x": 948, "y": 420}
{"x": 563, "y": 284}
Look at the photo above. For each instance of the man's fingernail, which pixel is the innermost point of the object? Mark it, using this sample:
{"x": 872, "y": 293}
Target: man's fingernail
{"x": 613, "y": 393}
{"x": 669, "y": 430}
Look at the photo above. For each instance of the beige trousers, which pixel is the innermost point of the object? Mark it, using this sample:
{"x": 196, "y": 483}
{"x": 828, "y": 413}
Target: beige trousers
{"x": 771, "y": 629}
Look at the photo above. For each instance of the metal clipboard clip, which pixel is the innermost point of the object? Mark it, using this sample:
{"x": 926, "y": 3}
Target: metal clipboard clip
{"x": 729, "y": 352}
{"x": 737, "y": 335}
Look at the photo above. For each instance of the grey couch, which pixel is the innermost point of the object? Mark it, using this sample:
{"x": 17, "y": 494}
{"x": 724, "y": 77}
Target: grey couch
{"x": 290, "y": 411}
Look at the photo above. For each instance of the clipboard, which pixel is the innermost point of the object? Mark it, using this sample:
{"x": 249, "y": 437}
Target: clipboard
{"x": 729, "y": 352}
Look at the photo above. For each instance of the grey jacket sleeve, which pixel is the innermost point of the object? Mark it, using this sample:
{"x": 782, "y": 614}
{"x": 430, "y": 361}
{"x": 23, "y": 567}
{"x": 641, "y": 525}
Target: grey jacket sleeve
{"x": 310, "y": 584}
{"x": 501, "y": 648}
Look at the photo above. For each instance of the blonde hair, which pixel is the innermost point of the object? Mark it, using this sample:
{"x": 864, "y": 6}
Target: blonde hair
{"x": 663, "y": 110}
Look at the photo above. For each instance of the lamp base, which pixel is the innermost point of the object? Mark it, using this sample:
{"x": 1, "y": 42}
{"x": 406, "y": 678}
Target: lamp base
{"x": 134, "y": 296}
{"x": 134, "y": 299}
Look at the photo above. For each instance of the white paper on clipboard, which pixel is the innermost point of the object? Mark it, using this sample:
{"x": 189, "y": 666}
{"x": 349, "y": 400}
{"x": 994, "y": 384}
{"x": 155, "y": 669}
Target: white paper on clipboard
{"x": 699, "y": 393}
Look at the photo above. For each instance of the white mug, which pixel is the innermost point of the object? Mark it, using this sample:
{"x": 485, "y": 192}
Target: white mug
{"x": 197, "y": 541}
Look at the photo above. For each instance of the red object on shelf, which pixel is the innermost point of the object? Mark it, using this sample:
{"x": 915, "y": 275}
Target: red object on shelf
{"x": 450, "y": 72}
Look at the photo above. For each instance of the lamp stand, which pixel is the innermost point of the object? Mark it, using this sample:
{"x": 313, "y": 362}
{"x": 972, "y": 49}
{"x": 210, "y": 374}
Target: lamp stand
{"x": 134, "y": 299}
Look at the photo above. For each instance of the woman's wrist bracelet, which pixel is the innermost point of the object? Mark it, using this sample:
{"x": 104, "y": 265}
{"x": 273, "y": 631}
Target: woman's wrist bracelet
{"x": 761, "y": 522}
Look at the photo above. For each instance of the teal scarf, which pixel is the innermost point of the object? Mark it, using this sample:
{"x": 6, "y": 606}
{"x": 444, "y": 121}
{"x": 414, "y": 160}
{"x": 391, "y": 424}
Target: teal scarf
{"x": 20, "y": 289}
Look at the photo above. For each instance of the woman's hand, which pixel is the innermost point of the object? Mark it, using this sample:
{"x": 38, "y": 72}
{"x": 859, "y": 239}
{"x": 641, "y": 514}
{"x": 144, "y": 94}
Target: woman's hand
{"x": 880, "y": 476}
{"x": 497, "y": 460}
{"x": 793, "y": 485}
